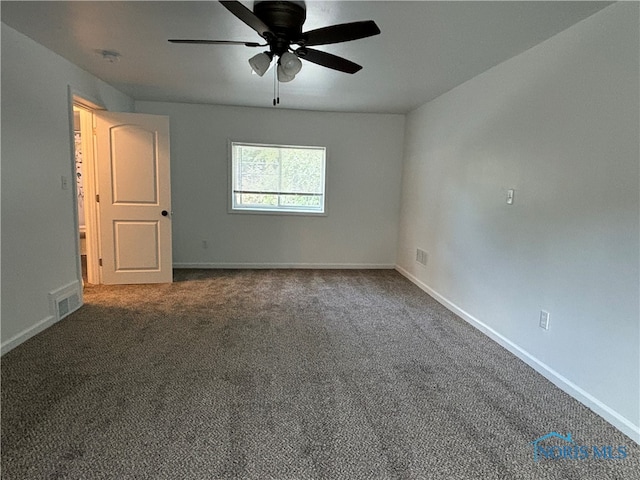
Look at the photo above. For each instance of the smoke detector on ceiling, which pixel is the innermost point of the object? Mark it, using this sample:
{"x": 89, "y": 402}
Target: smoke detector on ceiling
{"x": 110, "y": 56}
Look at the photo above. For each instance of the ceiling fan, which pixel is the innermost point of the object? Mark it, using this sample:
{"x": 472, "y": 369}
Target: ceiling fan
{"x": 279, "y": 23}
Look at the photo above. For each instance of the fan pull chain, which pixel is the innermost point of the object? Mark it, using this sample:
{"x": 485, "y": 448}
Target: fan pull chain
{"x": 276, "y": 88}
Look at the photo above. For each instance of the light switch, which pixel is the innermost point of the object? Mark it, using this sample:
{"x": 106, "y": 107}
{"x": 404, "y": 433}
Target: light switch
{"x": 510, "y": 193}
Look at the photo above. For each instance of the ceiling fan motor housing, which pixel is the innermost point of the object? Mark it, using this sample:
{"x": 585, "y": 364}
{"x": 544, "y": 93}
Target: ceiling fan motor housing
{"x": 285, "y": 20}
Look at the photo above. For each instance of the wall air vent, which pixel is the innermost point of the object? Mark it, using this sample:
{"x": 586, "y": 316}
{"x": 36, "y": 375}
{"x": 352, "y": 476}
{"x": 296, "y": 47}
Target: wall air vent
{"x": 64, "y": 300}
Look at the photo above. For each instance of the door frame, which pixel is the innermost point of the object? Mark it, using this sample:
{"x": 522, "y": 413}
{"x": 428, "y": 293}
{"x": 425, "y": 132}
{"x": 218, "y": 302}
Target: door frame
{"x": 87, "y": 106}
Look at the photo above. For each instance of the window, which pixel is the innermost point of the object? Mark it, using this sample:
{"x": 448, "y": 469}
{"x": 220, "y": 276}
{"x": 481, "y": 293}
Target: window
{"x": 277, "y": 178}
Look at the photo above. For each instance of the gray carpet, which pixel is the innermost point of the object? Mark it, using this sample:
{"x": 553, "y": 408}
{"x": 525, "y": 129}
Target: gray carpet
{"x": 281, "y": 374}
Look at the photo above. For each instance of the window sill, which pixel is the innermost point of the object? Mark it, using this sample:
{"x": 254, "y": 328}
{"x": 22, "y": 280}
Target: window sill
{"x": 276, "y": 212}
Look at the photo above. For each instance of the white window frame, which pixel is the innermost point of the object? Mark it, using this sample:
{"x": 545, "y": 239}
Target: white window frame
{"x": 270, "y": 210}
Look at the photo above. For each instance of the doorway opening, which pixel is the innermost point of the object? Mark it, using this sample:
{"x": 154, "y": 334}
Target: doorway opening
{"x": 85, "y": 178}
{"x": 124, "y": 234}
{"x": 79, "y": 179}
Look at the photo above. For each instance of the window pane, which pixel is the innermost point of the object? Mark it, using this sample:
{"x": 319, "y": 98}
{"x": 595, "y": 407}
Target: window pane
{"x": 302, "y": 170}
{"x": 278, "y": 178}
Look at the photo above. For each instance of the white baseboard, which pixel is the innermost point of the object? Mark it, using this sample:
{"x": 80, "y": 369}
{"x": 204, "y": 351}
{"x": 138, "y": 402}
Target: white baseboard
{"x": 320, "y": 266}
{"x": 622, "y": 423}
{"x": 26, "y": 334}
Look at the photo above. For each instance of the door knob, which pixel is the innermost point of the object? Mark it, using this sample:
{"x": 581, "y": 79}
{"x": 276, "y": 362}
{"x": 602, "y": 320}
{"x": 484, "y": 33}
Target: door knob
{"x": 165, "y": 213}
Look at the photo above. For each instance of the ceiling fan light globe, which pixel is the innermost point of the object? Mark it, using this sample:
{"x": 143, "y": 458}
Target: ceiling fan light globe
{"x": 283, "y": 77}
{"x": 290, "y": 63}
{"x": 260, "y": 63}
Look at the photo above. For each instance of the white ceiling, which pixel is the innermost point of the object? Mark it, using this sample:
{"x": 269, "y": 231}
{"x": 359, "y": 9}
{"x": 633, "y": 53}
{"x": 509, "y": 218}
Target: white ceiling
{"x": 425, "y": 48}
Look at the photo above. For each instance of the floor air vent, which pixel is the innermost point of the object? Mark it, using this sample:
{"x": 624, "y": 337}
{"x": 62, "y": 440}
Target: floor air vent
{"x": 64, "y": 300}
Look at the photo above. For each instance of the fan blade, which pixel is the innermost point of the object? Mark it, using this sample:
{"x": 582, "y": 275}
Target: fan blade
{"x": 344, "y": 32}
{"x": 328, "y": 60}
{"x": 217, "y": 42}
{"x": 248, "y": 17}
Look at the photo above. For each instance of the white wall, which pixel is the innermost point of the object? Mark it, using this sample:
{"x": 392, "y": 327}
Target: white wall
{"x": 559, "y": 124}
{"x": 38, "y": 235}
{"x": 364, "y": 157}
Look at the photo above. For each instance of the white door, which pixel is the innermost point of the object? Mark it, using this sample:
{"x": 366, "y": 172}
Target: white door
{"x": 134, "y": 197}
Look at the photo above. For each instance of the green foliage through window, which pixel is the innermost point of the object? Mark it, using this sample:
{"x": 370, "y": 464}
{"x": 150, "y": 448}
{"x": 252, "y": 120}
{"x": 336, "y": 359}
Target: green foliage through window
{"x": 277, "y": 178}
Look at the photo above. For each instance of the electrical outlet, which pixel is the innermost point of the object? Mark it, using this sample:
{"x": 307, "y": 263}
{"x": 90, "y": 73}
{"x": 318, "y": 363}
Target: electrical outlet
{"x": 421, "y": 257}
{"x": 544, "y": 320}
